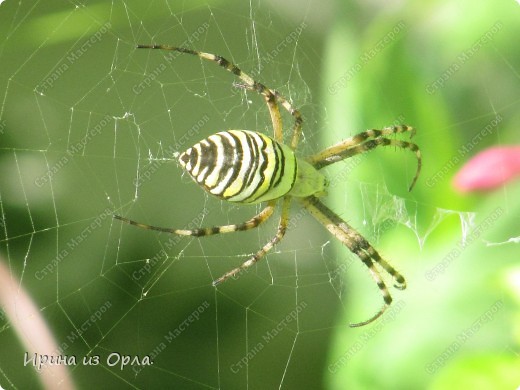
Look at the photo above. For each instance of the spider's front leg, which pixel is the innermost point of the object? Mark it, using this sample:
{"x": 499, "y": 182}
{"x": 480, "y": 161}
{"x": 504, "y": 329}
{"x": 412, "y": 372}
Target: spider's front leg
{"x": 358, "y": 245}
{"x": 364, "y": 142}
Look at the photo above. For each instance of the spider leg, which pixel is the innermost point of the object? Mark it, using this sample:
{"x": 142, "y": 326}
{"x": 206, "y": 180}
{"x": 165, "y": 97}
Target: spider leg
{"x": 297, "y": 128}
{"x": 268, "y": 93}
{"x": 252, "y": 223}
{"x": 280, "y": 232}
{"x": 274, "y": 111}
{"x": 276, "y": 118}
{"x": 321, "y": 157}
{"x": 359, "y": 144}
{"x": 386, "y": 296}
{"x": 358, "y": 245}
{"x": 381, "y": 141}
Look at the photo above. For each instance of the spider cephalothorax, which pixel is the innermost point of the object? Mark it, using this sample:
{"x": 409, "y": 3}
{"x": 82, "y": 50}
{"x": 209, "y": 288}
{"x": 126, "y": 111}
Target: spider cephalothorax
{"x": 249, "y": 167}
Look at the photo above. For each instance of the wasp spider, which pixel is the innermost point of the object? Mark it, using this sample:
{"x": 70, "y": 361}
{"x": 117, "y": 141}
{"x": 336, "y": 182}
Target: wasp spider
{"x": 249, "y": 167}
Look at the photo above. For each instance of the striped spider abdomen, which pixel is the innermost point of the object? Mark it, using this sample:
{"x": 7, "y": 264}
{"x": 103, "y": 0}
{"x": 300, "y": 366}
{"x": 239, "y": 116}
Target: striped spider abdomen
{"x": 249, "y": 167}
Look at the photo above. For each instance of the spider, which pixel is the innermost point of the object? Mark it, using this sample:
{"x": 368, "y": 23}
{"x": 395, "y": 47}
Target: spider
{"x": 249, "y": 167}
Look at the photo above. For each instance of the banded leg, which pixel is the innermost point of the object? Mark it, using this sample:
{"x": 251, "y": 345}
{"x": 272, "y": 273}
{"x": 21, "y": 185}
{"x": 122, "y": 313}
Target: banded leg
{"x": 326, "y": 158}
{"x": 261, "y": 217}
{"x": 399, "y": 281}
{"x": 276, "y": 118}
{"x": 274, "y": 112}
{"x": 268, "y": 93}
{"x": 280, "y": 232}
{"x": 359, "y": 246}
{"x": 381, "y": 141}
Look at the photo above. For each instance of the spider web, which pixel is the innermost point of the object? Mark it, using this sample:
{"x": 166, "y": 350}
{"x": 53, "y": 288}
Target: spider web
{"x": 89, "y": 127}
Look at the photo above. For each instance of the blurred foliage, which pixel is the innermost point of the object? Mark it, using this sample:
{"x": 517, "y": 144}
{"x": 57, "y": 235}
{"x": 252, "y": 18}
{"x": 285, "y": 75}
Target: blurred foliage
{"x": 412, "y": 349}
{"x": 415, "y": 231}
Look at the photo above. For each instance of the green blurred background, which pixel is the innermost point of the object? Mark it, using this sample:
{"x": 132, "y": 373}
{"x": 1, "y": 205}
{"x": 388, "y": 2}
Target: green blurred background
{"x": 88, "y": 128}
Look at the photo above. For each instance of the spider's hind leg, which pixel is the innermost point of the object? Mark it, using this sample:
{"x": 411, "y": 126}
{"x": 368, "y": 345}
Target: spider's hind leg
{"x": 274, "y": 111}
{"x": 252, "y": 223}
{"x": 268, "y": 93}
{"x": 280, "y": 232}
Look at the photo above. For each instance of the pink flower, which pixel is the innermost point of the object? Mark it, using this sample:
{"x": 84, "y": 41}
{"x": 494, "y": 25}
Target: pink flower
{"x": 489, "y": 169}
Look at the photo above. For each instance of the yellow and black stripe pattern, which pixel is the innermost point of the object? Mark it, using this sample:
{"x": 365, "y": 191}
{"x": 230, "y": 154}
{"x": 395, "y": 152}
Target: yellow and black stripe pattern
{"x": 249, "y": 167}
{"x": 241, "y": 166}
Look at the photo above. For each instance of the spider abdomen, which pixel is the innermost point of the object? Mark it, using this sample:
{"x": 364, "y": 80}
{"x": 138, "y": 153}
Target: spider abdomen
{"x": 241, "y": 166}
{"x": 245, "y": 166}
